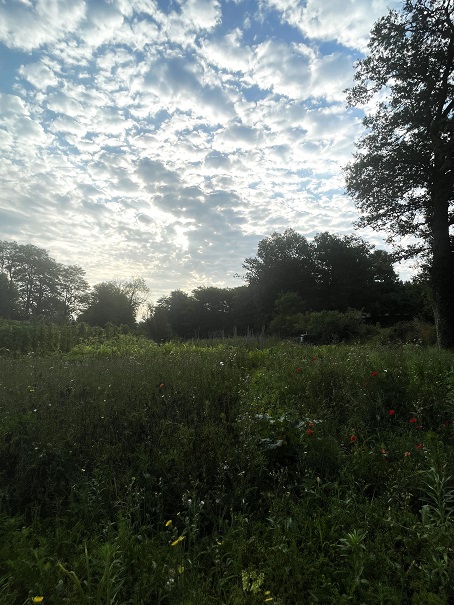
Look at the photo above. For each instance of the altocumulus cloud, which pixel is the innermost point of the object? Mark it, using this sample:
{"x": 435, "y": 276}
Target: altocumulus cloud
{"x": 166, "y": 138}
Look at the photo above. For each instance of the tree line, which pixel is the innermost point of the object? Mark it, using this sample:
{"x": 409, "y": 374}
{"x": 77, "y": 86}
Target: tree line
{"x": 34, "y": 286}
{"x": 289, "y": 276}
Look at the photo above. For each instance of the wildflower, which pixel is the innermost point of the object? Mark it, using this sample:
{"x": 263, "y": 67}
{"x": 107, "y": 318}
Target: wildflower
{"x": 169, "y": 523}
{"x": 309, "y": 432}
{"x": 374, "y": 373}
{"x": 180, "y": 569}
{"x": 407, "y": 454}
{"x": 310, "y": 424}
{"x": 37, "y": 599}
{"x": 391, "y": 412}
{"x": 162, "y": 385}
{"x": 298, "y": 370}
{"x": 412, "y": 420}
{"x": 353, "y": 438}
{"x": 383, "y": 451}
{"x": 177, "y": 541}
{"x": 419, "y": 446}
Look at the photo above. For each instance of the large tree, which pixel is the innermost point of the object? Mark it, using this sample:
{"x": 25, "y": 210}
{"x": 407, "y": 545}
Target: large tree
{"x": 107, "y": 303}
{"x": 284, "y": 262}
{"x": 329, "y": 273}
{"x": 402, "y": 176}
{"x": 44, "y": 288}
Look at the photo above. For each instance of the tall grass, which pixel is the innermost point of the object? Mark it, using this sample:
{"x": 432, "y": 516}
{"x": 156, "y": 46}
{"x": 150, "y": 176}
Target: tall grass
{"x": 137, "y": 474}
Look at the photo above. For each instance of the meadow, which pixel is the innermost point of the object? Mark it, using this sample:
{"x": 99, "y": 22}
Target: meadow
{"x": 229, "y": 473}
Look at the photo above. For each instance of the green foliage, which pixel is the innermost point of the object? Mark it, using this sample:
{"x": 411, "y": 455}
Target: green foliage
{"x": 409, "y": 332}
{"x": 290, "y": 275}
{"x": 324, "y": 326}
{"x": 109, "y": 304}
{"x": 35, "y": 285}
{"x": 23, "y": 337}
{"x": 206, "y": 313}
{"x": 132, "y": 473}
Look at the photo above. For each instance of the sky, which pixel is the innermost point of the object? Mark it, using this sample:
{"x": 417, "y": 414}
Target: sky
{"x": 164, "y": 139}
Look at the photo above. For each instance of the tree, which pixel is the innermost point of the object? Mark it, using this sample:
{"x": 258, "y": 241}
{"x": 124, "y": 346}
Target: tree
{"x": 213, "y": 309}
{"x": 330, "y": 273}
{"x": 9, "y": 298}
{"x": 180, "y": 308}
{"x": 347, "y": 272}
{"x": 44, "y": 288}
{"x": 157, "y": 324}
{"x": 72, "y": 291}
{"x": 402, "y": 176}
{"x": 284, "y": 263}
{"x": 136, "y": 290}
{"x": 34, "y": 274}
{"x": 108, "y": 304}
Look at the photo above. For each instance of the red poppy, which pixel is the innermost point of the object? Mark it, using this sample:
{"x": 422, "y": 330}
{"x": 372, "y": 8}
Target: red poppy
{"x": 412, "y": 420}
{"x": 298, "y": 370}
{"x": 407, "y": 454}
{"x": 391, "y": 412}
{"x": 309, "y": 432}
{"x": 353, "y": 438}
{"x": 419, "y": 446}
{"x": 374, "y": 374}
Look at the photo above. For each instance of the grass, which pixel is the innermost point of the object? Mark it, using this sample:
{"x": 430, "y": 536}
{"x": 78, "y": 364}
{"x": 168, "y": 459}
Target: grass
{"x": 225, "y": 473}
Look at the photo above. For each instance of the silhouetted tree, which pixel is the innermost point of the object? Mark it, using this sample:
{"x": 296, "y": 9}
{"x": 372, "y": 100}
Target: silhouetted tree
{"x": 284, "y": 262}
{"x": 108, "y": 304}
{"x": 180, "y": 308}
{"x": 330, "y": 273}
{"x": 9, "y": 298}
{"x": 402, "y": 177}
{"x": 45, "y": 288}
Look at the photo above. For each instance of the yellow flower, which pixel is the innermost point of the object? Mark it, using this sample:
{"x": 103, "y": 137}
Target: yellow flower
{"x": 177, "y": 541}
{"x": 37, "y": 599}
{"x": 180, "y": 569}
{"x": 169, "y": 523}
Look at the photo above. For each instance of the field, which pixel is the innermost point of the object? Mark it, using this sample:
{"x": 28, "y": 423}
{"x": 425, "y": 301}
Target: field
{"x": 225, "y": 473}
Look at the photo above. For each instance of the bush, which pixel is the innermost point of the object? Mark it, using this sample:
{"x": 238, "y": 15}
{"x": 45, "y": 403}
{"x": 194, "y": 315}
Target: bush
{"x": 409, "y": 332}
{"x": 326, "y": 326}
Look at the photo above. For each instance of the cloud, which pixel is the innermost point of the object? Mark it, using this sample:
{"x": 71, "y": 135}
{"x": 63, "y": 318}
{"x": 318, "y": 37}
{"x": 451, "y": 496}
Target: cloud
{"x": 348, "y": 22}
{"x": 39, "y": 74}
{"x": 283, "y": 68}
{"x": 228, "y": 52}
{"x": 28, "y": 25}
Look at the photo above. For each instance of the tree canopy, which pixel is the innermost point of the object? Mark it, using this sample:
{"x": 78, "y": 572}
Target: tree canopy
{"x": 37, "y": 286}
{"x": 108, "y": 304}
{"x": 331, "y": 272}
{"x": 402, "y": 176}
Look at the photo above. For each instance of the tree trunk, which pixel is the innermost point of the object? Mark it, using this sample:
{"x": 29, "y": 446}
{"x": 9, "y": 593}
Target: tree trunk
{"x": 442, "y": 272}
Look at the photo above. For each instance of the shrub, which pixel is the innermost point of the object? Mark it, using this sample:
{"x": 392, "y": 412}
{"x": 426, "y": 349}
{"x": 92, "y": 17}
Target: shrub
{"x": 325, "y": 326}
